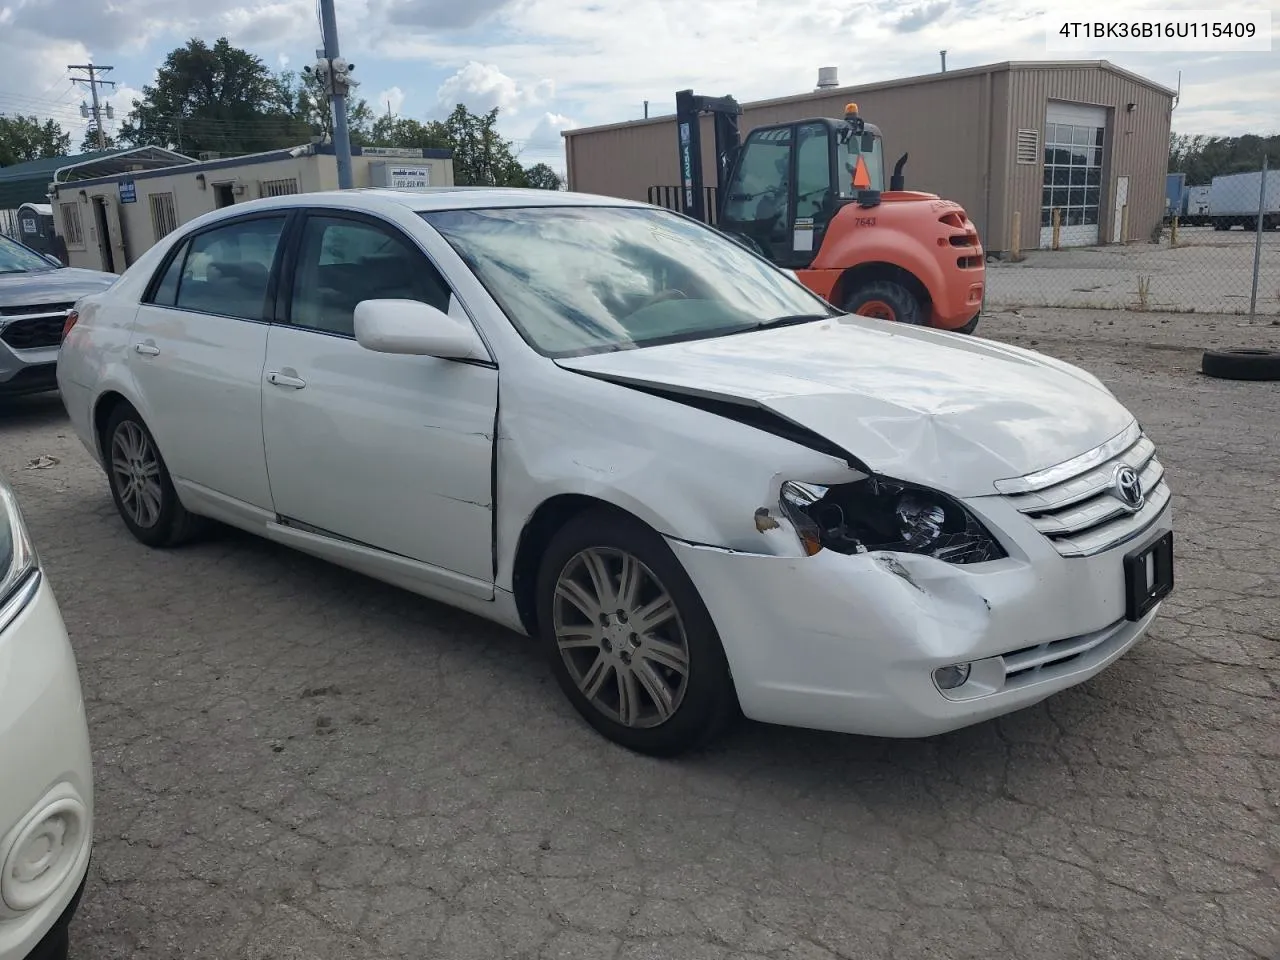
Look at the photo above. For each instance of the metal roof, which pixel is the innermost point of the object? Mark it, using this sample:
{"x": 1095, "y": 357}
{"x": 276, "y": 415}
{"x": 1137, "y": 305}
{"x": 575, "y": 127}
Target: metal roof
{"x": 936, "y": 77}
{"x": 29, "y": 182}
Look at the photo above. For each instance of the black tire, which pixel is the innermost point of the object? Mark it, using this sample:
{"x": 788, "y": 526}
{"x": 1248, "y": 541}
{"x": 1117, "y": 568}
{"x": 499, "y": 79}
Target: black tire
{"x": 708, "y": 703}
{"x": 971, "y": 326}
{"x": 1242, "y": 364}
{"x": 886, "y": 300}
{"x": 174, "y": 524}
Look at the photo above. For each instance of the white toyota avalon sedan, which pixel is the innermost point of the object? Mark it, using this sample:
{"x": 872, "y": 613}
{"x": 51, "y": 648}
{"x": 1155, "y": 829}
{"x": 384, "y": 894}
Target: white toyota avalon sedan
{"x": 602, "y": 424}
{"x": 46, "y": 776}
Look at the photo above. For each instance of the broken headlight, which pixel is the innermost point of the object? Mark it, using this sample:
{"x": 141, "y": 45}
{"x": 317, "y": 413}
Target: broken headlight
{"x": 880, "y": 514}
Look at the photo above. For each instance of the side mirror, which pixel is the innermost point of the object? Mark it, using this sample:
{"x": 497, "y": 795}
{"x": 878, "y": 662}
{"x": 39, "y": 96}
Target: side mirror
{"x": 52, "y": 259}
{"x": 868, "y": 142}
{"x": 415, "y": 328}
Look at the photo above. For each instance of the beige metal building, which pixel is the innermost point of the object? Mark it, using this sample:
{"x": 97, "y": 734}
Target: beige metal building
{"x": 108, "y": 222}
{"x": 1084, "y": 137}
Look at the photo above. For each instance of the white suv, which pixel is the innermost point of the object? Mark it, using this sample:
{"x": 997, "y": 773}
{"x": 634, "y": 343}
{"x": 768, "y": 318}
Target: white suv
{"x": 46, "y": 780}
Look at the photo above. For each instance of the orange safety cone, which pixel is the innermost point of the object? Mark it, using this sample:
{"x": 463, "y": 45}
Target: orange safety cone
{"x": 861, "y": 178}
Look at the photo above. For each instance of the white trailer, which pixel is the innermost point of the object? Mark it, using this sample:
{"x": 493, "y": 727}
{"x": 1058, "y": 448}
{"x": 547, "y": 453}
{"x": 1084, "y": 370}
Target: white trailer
{"x": 1196, "y": 206}
{"x": 1233, "y": 201}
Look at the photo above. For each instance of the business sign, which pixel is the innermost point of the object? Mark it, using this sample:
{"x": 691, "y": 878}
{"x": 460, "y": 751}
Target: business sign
{"x": 128, "y": 193}
{"x": 391, "y": 152}
{"x": 29, "y": 225}
{"x": 410, "y": 178}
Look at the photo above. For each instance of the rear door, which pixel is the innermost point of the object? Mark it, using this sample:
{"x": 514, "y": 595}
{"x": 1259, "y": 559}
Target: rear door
{"x": 197, "y": 351}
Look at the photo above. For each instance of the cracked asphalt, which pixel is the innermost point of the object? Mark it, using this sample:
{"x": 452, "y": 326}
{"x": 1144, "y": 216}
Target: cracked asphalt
{"x": 295, "y": 762}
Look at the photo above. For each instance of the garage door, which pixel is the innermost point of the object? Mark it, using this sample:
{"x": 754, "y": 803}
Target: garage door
{"x": 1073, "y": 139}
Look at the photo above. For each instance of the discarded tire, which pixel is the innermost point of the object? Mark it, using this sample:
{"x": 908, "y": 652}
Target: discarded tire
{"x": 1242, "y": 364}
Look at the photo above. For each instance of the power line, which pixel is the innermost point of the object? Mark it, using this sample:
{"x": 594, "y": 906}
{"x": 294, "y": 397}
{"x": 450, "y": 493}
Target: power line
{"x": 93, "y": 82}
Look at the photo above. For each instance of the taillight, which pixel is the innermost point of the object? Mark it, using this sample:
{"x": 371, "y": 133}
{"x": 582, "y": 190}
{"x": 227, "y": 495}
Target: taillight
{"x": 72, "y": 317}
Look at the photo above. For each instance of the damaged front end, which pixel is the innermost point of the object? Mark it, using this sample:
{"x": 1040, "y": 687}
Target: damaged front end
{"x": 880, "y": 514}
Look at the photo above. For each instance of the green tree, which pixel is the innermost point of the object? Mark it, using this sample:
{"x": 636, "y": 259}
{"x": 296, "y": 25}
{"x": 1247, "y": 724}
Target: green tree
{"x": 26, "y": 138}
{"x": 1202, "y": 158}
{"x": 542, "y": 177}
{"x": 481, "y": 156}
{"x": 305, "y": 99}
{"x": 214, "y": 98}
{"x": 391, "y": 131}
{"x": 89, "y": 142}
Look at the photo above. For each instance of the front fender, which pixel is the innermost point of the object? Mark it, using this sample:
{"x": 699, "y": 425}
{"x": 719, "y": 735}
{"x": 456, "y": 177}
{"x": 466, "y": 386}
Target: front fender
{"x": 687, "y": 473}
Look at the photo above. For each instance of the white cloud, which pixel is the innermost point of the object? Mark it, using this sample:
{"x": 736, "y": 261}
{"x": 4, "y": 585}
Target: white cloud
{"x": 546, "y": 132}
{"x": 482, "y": 86}
{"x": 608, "y": 56}
{"x": 392, "y": 97}
{"x": 283, "y": 60}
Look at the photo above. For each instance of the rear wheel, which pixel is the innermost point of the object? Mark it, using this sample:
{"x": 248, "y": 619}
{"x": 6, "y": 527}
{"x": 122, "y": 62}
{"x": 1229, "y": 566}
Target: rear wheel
{"x": 140, "y": 483}
{"x": 629, "y": 639}
{"x": 886, "y": 300}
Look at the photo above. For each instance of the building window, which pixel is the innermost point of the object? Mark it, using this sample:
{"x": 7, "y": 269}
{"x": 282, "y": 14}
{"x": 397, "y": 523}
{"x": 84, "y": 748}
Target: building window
{"x": 164, "y": 217}
{"x": 279, "y": 188}
{"x": 1072, "y": 174}
{"x": 71, "y": 229}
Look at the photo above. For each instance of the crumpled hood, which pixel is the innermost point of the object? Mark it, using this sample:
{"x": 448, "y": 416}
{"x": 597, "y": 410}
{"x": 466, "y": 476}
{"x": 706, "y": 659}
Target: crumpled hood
{"x": 52, "y": 286}
{"x": 951, "y": 411}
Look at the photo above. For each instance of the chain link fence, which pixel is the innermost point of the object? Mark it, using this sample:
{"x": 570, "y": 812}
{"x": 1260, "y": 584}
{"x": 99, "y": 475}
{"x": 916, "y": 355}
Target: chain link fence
{"x": 1218, "y": 252}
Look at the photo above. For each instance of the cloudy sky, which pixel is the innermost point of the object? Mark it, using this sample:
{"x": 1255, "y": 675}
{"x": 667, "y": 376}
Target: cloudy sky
{"x": 553, "y": 64}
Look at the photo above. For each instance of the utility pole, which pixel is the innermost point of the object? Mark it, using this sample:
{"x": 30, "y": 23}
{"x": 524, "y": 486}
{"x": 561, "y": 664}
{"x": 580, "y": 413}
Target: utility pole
{"x": 336, "y": 73}
{"x": 94, "y": 83}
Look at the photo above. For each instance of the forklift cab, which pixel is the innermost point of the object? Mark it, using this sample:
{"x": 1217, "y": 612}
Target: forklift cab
{"x": 789, "y": 180}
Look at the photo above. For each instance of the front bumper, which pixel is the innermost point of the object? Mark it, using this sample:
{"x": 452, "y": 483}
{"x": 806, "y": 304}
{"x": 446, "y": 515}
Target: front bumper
{"x": 46, "y": 789}
{"x": 850, "y": 643}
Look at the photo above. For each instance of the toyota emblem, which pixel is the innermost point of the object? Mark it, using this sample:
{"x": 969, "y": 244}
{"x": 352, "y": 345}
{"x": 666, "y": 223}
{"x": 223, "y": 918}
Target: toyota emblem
{"x": 1128, "y": 487}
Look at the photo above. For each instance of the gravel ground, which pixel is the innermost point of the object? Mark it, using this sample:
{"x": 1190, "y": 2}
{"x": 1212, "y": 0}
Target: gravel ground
{"x": 1208, "y": 272}
{"x": 294, "y": 762}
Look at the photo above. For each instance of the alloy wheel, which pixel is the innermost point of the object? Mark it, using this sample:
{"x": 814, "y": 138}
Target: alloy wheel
{"x": 136, "y": 469}
{"x": 621, "y": 637}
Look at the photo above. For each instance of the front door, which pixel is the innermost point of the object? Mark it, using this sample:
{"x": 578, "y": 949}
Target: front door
{"x": 393, "y": 452}
{"x": 196, "y": 353}
{"x": 103, "y": 228}
{"x": 1117, "y": 217}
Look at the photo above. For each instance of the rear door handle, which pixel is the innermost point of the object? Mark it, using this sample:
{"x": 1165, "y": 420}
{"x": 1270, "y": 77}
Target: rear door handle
{"x": 284, "y": 380}
{"x": 147, "y": 349}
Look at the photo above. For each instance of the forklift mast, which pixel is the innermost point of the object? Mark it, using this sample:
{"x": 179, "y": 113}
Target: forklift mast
{"x": 726, "y": 113}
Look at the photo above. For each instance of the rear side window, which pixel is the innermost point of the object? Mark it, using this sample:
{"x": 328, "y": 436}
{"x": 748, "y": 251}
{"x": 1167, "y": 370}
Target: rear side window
{"x": 166, "y": 294}
{"x": 226, "y": 270}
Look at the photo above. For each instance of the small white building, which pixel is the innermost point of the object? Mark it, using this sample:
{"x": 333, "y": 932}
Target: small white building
{"x": 109, "y": 222}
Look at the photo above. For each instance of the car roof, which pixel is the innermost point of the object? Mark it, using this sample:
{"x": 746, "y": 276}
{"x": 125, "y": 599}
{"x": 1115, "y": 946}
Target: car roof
{"x": 431, "y": 198}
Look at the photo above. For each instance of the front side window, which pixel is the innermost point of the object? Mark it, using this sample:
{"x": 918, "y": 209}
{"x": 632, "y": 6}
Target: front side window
{"x": 580, "y": 280}
{"x": 228, "y": 268}
{"x": 343, "y": 262}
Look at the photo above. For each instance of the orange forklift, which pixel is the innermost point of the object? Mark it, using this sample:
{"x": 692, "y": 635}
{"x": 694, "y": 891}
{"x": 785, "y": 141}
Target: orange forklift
{"x": 809, "y": 196}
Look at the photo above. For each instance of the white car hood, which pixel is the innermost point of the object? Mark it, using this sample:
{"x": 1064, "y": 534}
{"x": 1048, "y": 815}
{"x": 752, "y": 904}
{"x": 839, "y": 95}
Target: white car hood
{"x": 947, "y": 410}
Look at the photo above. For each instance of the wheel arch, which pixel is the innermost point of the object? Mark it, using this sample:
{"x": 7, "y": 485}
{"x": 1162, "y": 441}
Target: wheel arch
{"x": 106, "y": 404}
{"x": 864, "y": 273}
{"x": 535, "y": 536}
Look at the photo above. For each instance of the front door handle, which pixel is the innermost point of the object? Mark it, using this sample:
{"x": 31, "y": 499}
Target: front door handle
{"x": 285, "y": 380}
{"x": 147, "y": 349}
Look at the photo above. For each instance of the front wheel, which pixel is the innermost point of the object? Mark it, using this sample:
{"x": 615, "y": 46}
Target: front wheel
{"x": 629, "y": 639}
{"x": 886, "y": 300}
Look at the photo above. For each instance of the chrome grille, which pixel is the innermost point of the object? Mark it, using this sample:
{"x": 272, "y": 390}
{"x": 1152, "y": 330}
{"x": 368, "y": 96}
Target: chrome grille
{"x": 1076, "y": 505}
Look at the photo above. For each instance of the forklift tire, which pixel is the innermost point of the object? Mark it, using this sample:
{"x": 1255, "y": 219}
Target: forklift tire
{"x": 971, "y": 325}
{"x": 886, "y": 300}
